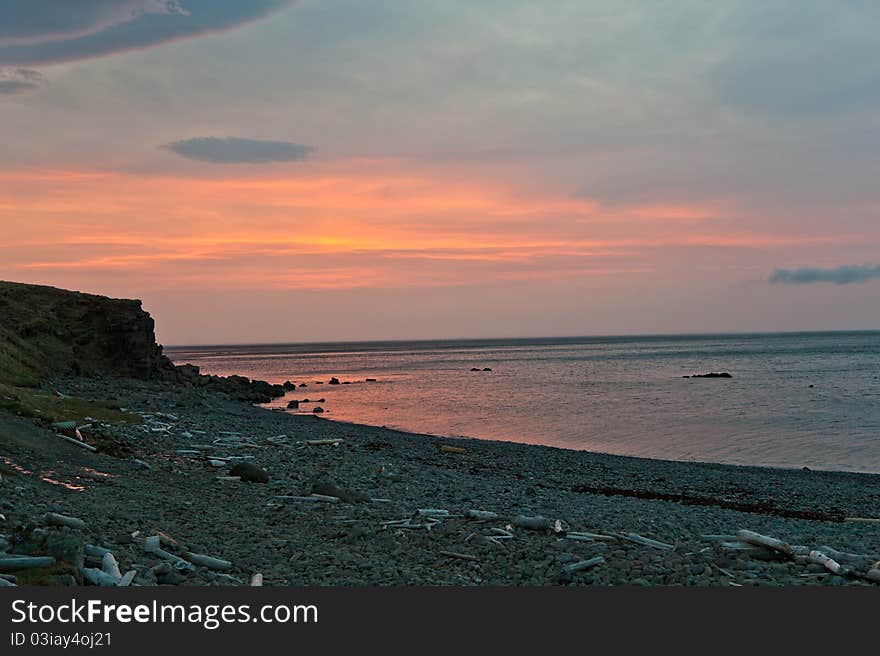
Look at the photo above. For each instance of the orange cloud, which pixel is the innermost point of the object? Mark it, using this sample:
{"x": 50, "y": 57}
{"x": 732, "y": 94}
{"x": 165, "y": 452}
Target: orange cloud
{"x": 333, "y": 226}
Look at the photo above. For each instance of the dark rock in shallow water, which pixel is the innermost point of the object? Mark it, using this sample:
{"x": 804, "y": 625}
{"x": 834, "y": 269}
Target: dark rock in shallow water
{"x": 288, "y": 385}
{"x": 474, "y": 369}
{"x": 371, "y": 380}
{"x": 712, "y": 374}
{"x": 303, "y": 385}
{"x": 293, "y": 404}
{"x": 305, "y": 401}
{"x": 487, "y": 369}
{"x": 321, "y": 401}
{"x": 334, "y": 381}
{"x": 249, "y": 472}
{"x": 318, "y": 410}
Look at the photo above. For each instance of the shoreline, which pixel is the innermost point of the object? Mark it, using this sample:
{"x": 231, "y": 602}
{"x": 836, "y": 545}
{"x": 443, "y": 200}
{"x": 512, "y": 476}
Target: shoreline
{"x": 269, "y": 529}
{"x": 327, "y": 416}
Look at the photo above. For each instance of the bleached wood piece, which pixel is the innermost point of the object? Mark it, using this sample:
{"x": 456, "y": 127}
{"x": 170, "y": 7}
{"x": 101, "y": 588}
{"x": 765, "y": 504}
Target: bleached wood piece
{"x": 326, "y": 498}
{"x": 15, "y": 563}
{"x": 229, "y": 479}
{"x": 863, "y": 520}
{"x": 208, "y": 561}
{"x": 536, "y": 523}
{"x": 598, "y": 537}
{"x": 95, "y": 551}
{"x": 451, "y": 449}
{"x": 579, "y": 538}
{"x": 481, "y": 515}
{"x": 152, "y": 546}
{"x": 127, "y": 578}
{"x": 845, "y": 557}
{"x": 63, "y": 520}
{"x": 81, "y": 445}
{"x": 648, "y": 542}
{"x": 460, "y": 556}
{"x": 110, "y": 566}
{"x": 432, "y": 512}
{"x": 765, "y": 541}
{"x": 828, "y": 563}
{"x": 7, "y": 584}
{"x": 96, "y": 576}
{"x": 718, "y": 538}
{"x": 582, "y": 565}
{"x": 338, "y": 440}
{"x": 257, "y": 581}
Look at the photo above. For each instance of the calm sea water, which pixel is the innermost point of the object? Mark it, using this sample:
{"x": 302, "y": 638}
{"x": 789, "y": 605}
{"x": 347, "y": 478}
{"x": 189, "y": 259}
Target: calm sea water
{"x": 622, "y": 395}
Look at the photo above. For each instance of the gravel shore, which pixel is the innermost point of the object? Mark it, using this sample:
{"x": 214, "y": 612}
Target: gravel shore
{"x": 159, "y": 478}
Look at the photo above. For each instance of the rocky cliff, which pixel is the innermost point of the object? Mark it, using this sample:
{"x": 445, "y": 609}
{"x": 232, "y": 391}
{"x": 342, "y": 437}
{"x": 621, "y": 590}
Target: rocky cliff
{"x": 47, "y": 332}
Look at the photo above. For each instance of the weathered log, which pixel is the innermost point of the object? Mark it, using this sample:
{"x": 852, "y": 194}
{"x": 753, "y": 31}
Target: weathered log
{"x": 765, "y": 541}
{"x": 152, "y": 546}
{"x": 582, "y": 565}
{"x": 337, "y": 440}
{"x": 326, "y": 498}
{"x": 76, "y": 442}
{"x": 432, "y": 512}
{"x": 451, "y": 449}
{"x": 208, "y": 561}
{"x": 844, "y": 557}
{"x": 863, "y": 520}
{"x": 578, "y": 538}
{"x": 828, "y": 563}
{"x": 127, "y": 579}
{"x": 481, "y": 515}
{"x": 98, "y": 577}
{"x": 460, "y": 556}
{"x": 16, "y": 563}
{"x": 536, "y": 523}
{"x": 111, "y": 566}
{"x": 63, "y": 520}
{"x": 95, "y": 551}
{"x": 648, "y": 542}
{"x": 598, "y": 537}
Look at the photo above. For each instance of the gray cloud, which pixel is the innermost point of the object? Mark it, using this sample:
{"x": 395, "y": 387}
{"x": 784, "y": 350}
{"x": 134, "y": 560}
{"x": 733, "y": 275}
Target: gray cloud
{"x": 17, "y": 80}
{"x": 233, "y": 150}
{"x": 843, "y": 275}
{"x": 36, "y": 32}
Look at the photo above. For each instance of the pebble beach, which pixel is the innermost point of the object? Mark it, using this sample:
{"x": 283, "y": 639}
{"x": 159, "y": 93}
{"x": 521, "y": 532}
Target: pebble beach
{"x": 347, "y": 504}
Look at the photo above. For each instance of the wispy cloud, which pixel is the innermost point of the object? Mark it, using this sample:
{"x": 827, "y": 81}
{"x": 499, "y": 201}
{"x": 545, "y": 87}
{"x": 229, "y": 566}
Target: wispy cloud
{"x": 36, "y": 32}
{"x": 17, "y": 80}
{"x": 234, "y": 150}
{"x": 842, "y": 275}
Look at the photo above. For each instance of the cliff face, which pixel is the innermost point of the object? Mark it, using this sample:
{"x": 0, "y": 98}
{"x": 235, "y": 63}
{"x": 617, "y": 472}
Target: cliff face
{"x": 47, "y": 332}
{"x": 80, "y": 334}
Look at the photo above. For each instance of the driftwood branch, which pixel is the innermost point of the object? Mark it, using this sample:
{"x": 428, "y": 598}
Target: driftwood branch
{"x": 15, "y": 563}
{"x": 582, "y": 565}
{"x": 648, "y": 542}
{"x": 63, "y": 520}
{"x": 765, "y": 541}
{"x": 76, "y": 442}
{"x": 208, "y": 561}
{"x": 96, "y": 576}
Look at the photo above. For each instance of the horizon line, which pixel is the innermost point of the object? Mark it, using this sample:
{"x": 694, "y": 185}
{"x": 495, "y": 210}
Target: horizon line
{"x": 754, "y": 333}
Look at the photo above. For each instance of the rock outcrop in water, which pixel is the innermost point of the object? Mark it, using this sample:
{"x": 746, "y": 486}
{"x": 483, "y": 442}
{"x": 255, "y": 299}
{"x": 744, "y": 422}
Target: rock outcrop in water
{"x": 47, "y": 332}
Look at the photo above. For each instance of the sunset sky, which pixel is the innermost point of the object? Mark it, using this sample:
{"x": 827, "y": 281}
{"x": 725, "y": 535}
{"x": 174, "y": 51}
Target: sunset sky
{"x": 281, "y": 171}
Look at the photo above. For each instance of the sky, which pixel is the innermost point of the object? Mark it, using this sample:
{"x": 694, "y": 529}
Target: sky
{"x": 319, "y": 170}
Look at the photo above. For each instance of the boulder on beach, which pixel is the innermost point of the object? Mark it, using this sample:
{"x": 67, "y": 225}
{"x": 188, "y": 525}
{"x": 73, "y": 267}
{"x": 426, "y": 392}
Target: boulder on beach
{"x": 334, "y": 381}
{"x": 249, "y": 472}
{"x": 293, "y": 404}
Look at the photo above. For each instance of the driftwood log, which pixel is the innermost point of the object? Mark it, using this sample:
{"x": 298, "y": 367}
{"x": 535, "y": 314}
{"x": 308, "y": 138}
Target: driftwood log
{"x": 648, "y": 542}
{"x": 96, "y": 576}
{"x": 481, "y": 515}
{"x": 582, "y": 565}
{"x": 63, "y": 520}
{"x": 15, "y": 563}
{"x": 765, "y": 541}
{"x": 208, "y": 561}
{"x": 828, "y": 563}
{"x": 110, "y": 566}
{"x": 76, "y": 442}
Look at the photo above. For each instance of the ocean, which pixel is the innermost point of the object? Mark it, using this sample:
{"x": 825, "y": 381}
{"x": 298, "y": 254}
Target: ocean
{"x": 620, "y": 395}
